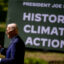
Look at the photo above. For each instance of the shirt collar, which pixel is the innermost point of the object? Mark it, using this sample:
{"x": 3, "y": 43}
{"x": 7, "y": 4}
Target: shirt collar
{"x": 13, "y": 38}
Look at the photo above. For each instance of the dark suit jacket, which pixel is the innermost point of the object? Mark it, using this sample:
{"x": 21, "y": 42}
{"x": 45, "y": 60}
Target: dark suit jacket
{"x": 15, "y": 52}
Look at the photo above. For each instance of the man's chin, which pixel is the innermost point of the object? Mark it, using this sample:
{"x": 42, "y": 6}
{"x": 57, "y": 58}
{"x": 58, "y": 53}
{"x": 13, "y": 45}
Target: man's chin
{"x": 9, "y": 37}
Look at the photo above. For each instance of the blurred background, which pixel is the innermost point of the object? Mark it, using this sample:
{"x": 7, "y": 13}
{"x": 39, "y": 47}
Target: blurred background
{"x": 31, "y": 57}
{"x": 3, "y": 15}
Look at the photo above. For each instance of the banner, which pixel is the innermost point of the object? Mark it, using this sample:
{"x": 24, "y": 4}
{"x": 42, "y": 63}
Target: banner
{"x": 40, "y": 22}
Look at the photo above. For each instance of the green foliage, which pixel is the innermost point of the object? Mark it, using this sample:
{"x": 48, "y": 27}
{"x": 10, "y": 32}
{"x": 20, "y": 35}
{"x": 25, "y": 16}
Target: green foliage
{"x": 3, "y": 5}
{"x": 34, "y": 61}
{"x": 2, "y": 26}
{"x": 3, "y": 10}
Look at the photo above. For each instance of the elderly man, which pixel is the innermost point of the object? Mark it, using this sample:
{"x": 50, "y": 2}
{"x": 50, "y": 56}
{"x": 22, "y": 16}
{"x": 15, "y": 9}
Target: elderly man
{"x": 16, "y": 50}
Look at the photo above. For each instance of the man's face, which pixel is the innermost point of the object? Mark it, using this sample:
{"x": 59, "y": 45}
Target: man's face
{"x": 9, "y": 32}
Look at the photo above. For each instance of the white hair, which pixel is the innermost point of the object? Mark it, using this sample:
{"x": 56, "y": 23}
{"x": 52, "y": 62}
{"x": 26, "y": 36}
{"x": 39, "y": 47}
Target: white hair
{"x": 12, "y": 26}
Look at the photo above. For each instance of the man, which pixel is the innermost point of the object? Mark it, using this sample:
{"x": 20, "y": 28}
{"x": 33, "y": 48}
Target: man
{"x": 16, "y": 50}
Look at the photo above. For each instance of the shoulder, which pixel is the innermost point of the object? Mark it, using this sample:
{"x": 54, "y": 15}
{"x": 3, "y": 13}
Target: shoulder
{"x": 17, "y": 39}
